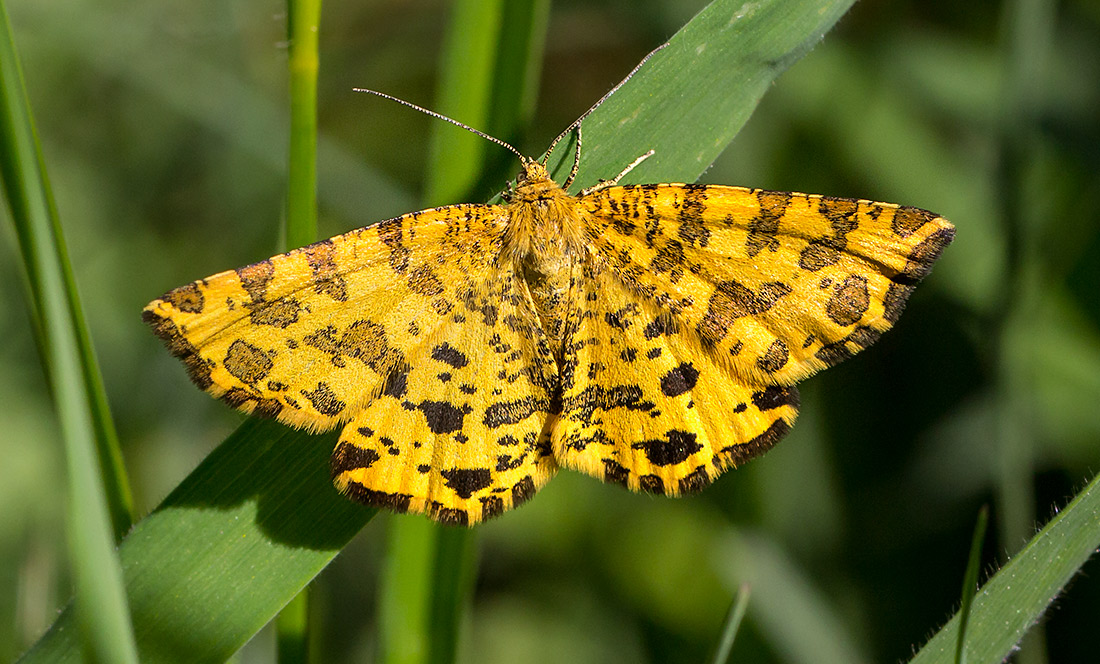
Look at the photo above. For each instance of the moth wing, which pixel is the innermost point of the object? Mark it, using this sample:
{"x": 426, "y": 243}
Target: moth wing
{"x": 461, "y": 435}
{"x": 777, "y": 285}
{"x": 645, "y": 406}
{"x": 364, "y": 326}
{"x": 699, "y": 308}
{"x": 310, "y": 335}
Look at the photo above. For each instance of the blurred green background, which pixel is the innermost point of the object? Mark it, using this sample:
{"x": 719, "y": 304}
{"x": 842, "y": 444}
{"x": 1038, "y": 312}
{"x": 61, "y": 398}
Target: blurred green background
{"x": 163, "y": 125}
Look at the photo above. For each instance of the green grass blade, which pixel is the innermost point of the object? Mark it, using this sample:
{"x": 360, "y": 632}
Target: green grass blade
{"x": 259, "y": 518}
{"x": 693, "y": 97}
{"x": 970, "y": 583}
{"x": 1016, "y": 596}
{"x": 518, "y": 67}
{"x": 452, "y": 582}
{"x": 731, "y": 625}
{"x": 303, "y": 28}
{"x": 96, "y": 483}
{"x": 426, "y": 581}
{"x": 37, "y": 228}
{"x": 515, "y": 88}
{"x": 228, "y": 548}
{"x": 1028, "y": 29}
{"x": 292, "y": 630}
{"x": 405, "y": 595}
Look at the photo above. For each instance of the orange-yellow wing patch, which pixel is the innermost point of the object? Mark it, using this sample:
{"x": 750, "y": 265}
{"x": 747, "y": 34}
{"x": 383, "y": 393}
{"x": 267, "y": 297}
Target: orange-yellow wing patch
{"x": 393, "y": 327}
{"x": 775, "y": 285}
{"x": 700, "y": 306}
{"x": 461, "y": 435}
{"x": 647, "y": 406}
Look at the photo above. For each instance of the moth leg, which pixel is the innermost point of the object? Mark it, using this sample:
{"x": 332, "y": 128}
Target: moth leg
{"x": 602, "y": 184}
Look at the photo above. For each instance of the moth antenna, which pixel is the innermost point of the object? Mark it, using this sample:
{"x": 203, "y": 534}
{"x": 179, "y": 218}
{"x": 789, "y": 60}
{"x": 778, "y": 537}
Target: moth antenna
{"x": 577, "y": 122}
{"x": 440, "y": 116}
{"x": 576, "y": 161}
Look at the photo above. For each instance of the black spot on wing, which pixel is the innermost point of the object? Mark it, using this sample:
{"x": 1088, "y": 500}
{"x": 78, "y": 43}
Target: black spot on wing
{"x": 663, "y": 324}
{"x": 450, "y": 516}
{"x": 251, "y": 403}
{"x": 651, "y": 484}
{"x": 281, "y": 313}
{"x": 188, "y": 299}
{"x": 849, "y": 302}
{"x": 448, "y": 354}
{"x": 764, "y": 229}
{"x": 255, "y": 278}
{"x": 775, "y": 358}
{"x": 614, "y": 472}
{"x": 443, "y": 417}
{"x": 679, "y": 380}
{"x": 324, "y": 400}
{"x": 924, "y": 255}
{"x": 620, "y": 319}
{"x": 675, "y": 448}
{"x": 467, "y": 481}
{"x": 247, "y": 362}
{"x": 397, "y": 382}
{"x": 582, "y": 406}
{"x": 508, "y": 462}
{"x": 775, "y": 396}
{"x": 738, "y": 454}
{"x": 491, "y": 506}
{"x": 732, "y": 300}
{"x": 522, "y": 491}
{"x": 513, "y": 412}
{"x": 198, "y": 368}
{"x": 838, "y": 351}
{"x": 695, "y": 481}
{"x": 398, "y": 502}
{"x": 348, "y": 456}
{"x": 908, "y": 220}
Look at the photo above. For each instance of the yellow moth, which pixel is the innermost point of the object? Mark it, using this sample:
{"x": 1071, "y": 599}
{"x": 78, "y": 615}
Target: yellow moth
{"x": 648, "y": 335}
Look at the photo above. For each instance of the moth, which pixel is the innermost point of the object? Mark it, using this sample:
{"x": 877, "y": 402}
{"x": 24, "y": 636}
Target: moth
{"x": 648, "y": 335}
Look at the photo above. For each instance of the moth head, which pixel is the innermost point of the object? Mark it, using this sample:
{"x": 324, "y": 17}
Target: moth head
{"x": 533, "y": 173}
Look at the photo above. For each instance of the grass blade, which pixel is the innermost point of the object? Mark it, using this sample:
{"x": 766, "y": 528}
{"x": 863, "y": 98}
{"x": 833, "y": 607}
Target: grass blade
{"x": 292, "y": 630}
{"x": 37, "y": 229}
{"x": 404, "y": 599}
{"x": 97, "y": 489}
{"x": 1016, "y": 596}
{"x": 731, "y": 624}
{"x": 705, "y": 84}
{"x": 228, "y": 548}
{"x": 303, "y": 28}
{"x": 259, "y": 518}
{"x": 453, "y": 581}
{"x": 970, "y": 582}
